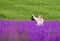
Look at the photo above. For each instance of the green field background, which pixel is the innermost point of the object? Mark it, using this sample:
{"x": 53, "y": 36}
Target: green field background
{"x": 23, "y": 9}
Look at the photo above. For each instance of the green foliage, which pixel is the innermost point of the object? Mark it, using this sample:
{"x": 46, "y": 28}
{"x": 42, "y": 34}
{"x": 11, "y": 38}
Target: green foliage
{"x": 23, "y": 9}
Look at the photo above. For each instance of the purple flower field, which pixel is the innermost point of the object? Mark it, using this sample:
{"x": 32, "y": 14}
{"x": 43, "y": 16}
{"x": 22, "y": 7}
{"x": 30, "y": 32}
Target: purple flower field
{"x": 12, "y": 30}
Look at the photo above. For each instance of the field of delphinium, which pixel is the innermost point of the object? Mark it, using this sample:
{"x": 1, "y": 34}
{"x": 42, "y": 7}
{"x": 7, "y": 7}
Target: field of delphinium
{"x": 16, "y": 23}
{"x": 12, "y": 30}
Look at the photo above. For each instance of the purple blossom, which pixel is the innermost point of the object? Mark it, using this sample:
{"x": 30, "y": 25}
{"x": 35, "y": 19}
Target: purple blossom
{"x": 12, "y": 30}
